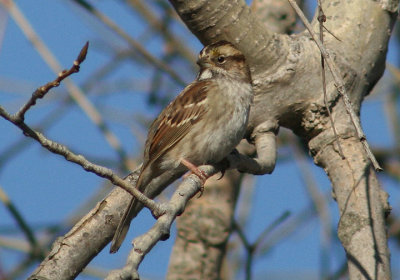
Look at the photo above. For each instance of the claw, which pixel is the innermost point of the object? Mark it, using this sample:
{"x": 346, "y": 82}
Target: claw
{"x": 222, "y": 174}
{"x": 224, "y": 165}
{"x": 193, "y": 169}
{"x": 201, "y": 191}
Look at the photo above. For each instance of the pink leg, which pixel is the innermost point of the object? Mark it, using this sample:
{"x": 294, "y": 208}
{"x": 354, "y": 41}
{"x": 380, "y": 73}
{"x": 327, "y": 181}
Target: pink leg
{"x": 193, "y": 168}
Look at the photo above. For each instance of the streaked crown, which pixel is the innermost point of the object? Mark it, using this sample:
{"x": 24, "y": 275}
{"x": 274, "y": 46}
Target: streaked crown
{"x": 220, "y": 48}
{"x": 223, "y": 58}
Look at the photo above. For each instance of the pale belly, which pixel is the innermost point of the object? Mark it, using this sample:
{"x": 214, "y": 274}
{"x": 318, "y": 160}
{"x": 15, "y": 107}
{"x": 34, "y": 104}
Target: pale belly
{"x": 217, "y": 139}
{"x": 210, "y": 142}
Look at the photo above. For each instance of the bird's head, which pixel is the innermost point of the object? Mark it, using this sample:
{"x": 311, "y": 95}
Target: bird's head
{"x": 222, "y": 59}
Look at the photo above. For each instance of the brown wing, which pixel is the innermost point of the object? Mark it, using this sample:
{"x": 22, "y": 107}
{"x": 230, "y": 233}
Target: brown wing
{"x": 175, "y": 121}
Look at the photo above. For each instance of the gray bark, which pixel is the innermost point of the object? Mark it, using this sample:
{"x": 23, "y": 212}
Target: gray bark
{"x": 286, "y": 73}
{"x": 204, "y": 229}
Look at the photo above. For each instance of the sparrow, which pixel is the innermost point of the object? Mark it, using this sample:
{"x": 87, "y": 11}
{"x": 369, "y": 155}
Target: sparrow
{"x": 202, "y": 125}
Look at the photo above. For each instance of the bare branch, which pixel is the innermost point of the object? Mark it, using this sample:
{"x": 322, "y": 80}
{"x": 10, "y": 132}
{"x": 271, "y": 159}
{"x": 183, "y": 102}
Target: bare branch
{"x": 35, "y": 249}
{"x": 41, "y": 91}
{"x": 251, "y": 248}
{"x": 165, "y": 214}
{"x": 339, "y": 83}
{"x": 75, "y": 92}
{"x": 83, "y": 162}
{"x": 161, "y": 229}
{"x": 133, "y": 43}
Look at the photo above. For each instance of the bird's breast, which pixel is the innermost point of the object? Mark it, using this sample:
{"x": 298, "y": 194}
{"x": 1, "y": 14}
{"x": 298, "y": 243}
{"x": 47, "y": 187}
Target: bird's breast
{"x": 225, "y": 122}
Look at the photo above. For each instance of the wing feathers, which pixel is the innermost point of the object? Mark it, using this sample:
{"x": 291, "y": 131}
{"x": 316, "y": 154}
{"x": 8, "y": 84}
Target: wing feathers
{"x": 176, "y": 119}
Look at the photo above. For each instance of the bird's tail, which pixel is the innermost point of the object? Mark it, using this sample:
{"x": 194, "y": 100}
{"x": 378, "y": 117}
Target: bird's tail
{"x": 123, "y": 226}
{"x": 151, "y": 188}
{"x": 133, "y": 209}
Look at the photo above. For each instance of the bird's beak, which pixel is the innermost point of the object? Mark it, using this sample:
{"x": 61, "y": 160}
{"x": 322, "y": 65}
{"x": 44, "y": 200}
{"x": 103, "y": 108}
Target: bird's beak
{"x": 202, "y": 62}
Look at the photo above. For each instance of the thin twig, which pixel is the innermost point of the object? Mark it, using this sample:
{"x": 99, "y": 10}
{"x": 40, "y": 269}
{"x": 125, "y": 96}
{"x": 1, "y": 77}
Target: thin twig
{"x": 133, "y": 43}
{"x": 248, "y": 247}
{"x": 322, "y": 19}
{"x": 41, "y": 91}
{"x": 35, "y": 250}
{"x": 242, "y": 236}
{"x": 330, "y": 32}
{"x": 74, "y": 91}
{"x": 278, "y": 221}
{"x": 339, "y": 83}
{"x": 251, "y": 248}
{"x": 290, "y": 227}
{"x": 161, "y": 229}
{"x": 101, "y": 171}
{"x": 178, "y": 44}
{"x": 50, "y": 119}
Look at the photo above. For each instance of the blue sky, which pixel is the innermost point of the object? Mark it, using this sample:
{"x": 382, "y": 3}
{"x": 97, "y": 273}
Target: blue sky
{"x": 47, "y": 189}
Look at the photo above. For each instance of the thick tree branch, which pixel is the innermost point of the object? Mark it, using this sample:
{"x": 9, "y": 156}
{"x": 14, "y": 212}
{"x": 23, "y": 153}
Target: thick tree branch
{"x": 340, "y": 85}
{"x": 97, "y": 223}
{"x": 204, "y": 229}
{"x": 288, "y": 94}
{"x": 288, "y": 91}
{"x": 276, "y": 15}
{"x": 363, "y": 207}
{"x": 100, "y": 233}
{"x": 161, "y": 229}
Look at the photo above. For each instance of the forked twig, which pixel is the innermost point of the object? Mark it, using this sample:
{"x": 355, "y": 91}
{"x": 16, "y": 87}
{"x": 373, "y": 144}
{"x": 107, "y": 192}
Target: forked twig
{"x": 101, "y": 171}
{"x": 18, "y": 120}
{"x": 133, "y": 43}
{"x": 252, "y": 247}
{"x": 143, "y": 244}
{"x": 339, "y": 83}
{"x": 74, "y": 91}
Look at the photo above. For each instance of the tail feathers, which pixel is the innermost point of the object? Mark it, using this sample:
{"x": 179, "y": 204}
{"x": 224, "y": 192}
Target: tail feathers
{"x": 151, "y": 190}
{"x": 133, "y": 209}
{"x": 123, "y": 225}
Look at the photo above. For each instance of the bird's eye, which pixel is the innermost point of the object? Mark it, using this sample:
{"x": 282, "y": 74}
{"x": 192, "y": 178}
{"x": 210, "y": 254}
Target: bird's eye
{"x": 221, "y": 59}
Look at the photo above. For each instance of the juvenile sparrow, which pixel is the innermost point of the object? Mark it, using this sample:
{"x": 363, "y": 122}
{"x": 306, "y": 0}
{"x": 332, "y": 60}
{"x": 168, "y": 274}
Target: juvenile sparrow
{"x": 202, "y": 125}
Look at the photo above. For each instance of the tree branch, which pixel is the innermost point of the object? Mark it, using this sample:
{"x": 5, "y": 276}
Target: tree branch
{"x": 340, "y": 85}
{"x": 161, "y": 229}
{"x": 41, "y": 91}
{"x": 87, "y": 226}
{"x": 74, "y": 91}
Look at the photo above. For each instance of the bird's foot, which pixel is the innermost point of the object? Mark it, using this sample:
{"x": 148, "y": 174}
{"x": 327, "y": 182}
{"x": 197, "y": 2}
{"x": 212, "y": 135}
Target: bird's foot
{"x": 224, "y": 164}
{"x": 195, "y": 170}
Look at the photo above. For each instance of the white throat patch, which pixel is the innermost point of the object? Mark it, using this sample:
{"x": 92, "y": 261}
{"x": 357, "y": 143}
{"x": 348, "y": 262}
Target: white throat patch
{"x": 206, "y": 74}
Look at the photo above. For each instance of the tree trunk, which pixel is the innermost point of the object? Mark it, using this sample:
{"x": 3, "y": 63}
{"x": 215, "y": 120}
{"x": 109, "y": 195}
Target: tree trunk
{"x": 286, "y": 74}
{"x": 203, "y": 230}
{"x": 362, "y": 206}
